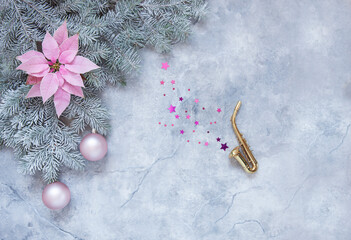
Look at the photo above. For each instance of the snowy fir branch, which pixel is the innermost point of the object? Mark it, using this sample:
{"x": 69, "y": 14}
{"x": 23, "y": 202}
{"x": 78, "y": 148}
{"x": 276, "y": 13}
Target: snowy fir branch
{"x": 111, "y": 33}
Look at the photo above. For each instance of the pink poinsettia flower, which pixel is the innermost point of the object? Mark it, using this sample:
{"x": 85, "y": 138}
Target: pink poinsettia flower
{"x": 56, "y": 71}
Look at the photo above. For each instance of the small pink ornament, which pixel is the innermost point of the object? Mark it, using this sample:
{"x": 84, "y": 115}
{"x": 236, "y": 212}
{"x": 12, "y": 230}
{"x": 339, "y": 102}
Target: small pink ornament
{"x": 93, "y": 147}
{"x": 56, "y": 195}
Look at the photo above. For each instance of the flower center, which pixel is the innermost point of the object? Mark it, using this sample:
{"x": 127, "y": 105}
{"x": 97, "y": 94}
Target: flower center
{"x": 55, "y": 66}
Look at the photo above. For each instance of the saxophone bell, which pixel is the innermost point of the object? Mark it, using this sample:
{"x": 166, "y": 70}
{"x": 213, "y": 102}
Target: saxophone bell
{"x": 246, "y": 158}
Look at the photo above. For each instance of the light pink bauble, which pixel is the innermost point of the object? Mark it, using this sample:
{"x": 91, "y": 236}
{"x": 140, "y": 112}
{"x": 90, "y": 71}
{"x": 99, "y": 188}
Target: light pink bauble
{"x": 93, "y": 147}
{"x": 56, "y": 195}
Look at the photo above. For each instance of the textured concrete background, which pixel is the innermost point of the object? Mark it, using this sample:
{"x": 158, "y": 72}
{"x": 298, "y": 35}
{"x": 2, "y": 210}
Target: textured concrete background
{"x": 290, "y": 64}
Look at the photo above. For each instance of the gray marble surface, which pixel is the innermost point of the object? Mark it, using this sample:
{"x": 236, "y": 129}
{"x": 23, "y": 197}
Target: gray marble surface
{"x": 290, "y": 64}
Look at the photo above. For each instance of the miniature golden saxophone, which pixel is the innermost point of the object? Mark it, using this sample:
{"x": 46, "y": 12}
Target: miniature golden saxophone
{"x": 247, "y": 161}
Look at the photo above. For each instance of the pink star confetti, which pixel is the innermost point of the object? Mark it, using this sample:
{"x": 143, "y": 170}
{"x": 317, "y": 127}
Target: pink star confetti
{"x": 171, "y": 109}
{"x": 188, "y": 117}
{"x": 219, "y": 110}
{"x": 165, "y": 65}
{"x": 199, "y": 142}
{"x": 173, "y": 82}
{"x": 159, "y": 122}
{"x": 180, "y": 99}
{"x": 172, "y": 125}
{"x": 181, "y": 131}
{"x": 177, "y": 116}
{"x": 165, "y": 125}
{"x": 162, "y": 82}
{"x": 196, "y": 100}
{"x": 196, "y": 122}
{"x": 206, "y": 143}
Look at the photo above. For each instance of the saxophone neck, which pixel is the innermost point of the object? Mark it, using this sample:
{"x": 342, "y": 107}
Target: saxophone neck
{"x": 236, "y": 109}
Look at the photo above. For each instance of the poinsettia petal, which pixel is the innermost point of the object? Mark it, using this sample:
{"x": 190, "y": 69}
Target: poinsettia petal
{"x": 41, "y": 74}
{"x": 61, "y": 100}
{"x": 28, "y": 55}
{"x": 34, "y": 91}
{"x": 70, "y": 43}
{"x": 50, "y": 47}
{"x": 34, "y": 65}
{"x": 31, "y": 80}
{"x": 61, "y": 34}
{"x": 72, "y": 78}
{"x": 75, "y": 90}
{"x": 67, "y": 56}
{"x": 81, "y": 65}
{"x": 48, "y": 86}
{"x": 60, "y": 78}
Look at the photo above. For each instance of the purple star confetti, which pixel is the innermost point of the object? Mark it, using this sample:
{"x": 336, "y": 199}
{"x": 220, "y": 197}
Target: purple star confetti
{"x": 224, "y": 146}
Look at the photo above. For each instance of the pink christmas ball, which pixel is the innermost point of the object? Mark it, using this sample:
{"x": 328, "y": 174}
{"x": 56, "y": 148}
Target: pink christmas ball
{"x": 56, "y": 195}
{"x": 93, "y": 147}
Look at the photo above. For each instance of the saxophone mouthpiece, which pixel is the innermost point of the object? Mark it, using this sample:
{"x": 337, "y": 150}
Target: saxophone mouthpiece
{"x": 236, "y": 109}
{"x": 237, "y": 106}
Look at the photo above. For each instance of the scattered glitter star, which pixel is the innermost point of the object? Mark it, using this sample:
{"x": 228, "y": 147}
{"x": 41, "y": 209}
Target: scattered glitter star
{"x": 199, "y": 142}
{"x": 196, "y": 100}
{"x": 173, "y": 89}
{"x": 173, "y": 82}
{"x": 162, "y": 82}
{"x": 181, "y": 131}
{"x": 219, "y": 110}
{"x": 203, "y": 108}
{"x": 189, "y": 89}
{"x": 188, "y": 117}
{"x": 159, "y": 122}
{"x": 218, "y": 139}
{"x": 206, "y": 143}
{"x": 165, "y": 65}
{"x": 196, "y": 123}
{"x": 172, "y": 125}
{"x": 208, "y": 131}
{"x": 180, "y": 99}
{"x": 187, "y": 140}
{"x": 193, "y": 130}
{"x": 171, "y": 109}
{"x": 224, "y": 146}
{"x": 164, "y": 94}
{"x": 165, "y": 125}
{"x": 177, "y": 116}
{"x": 210, "y": 122}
